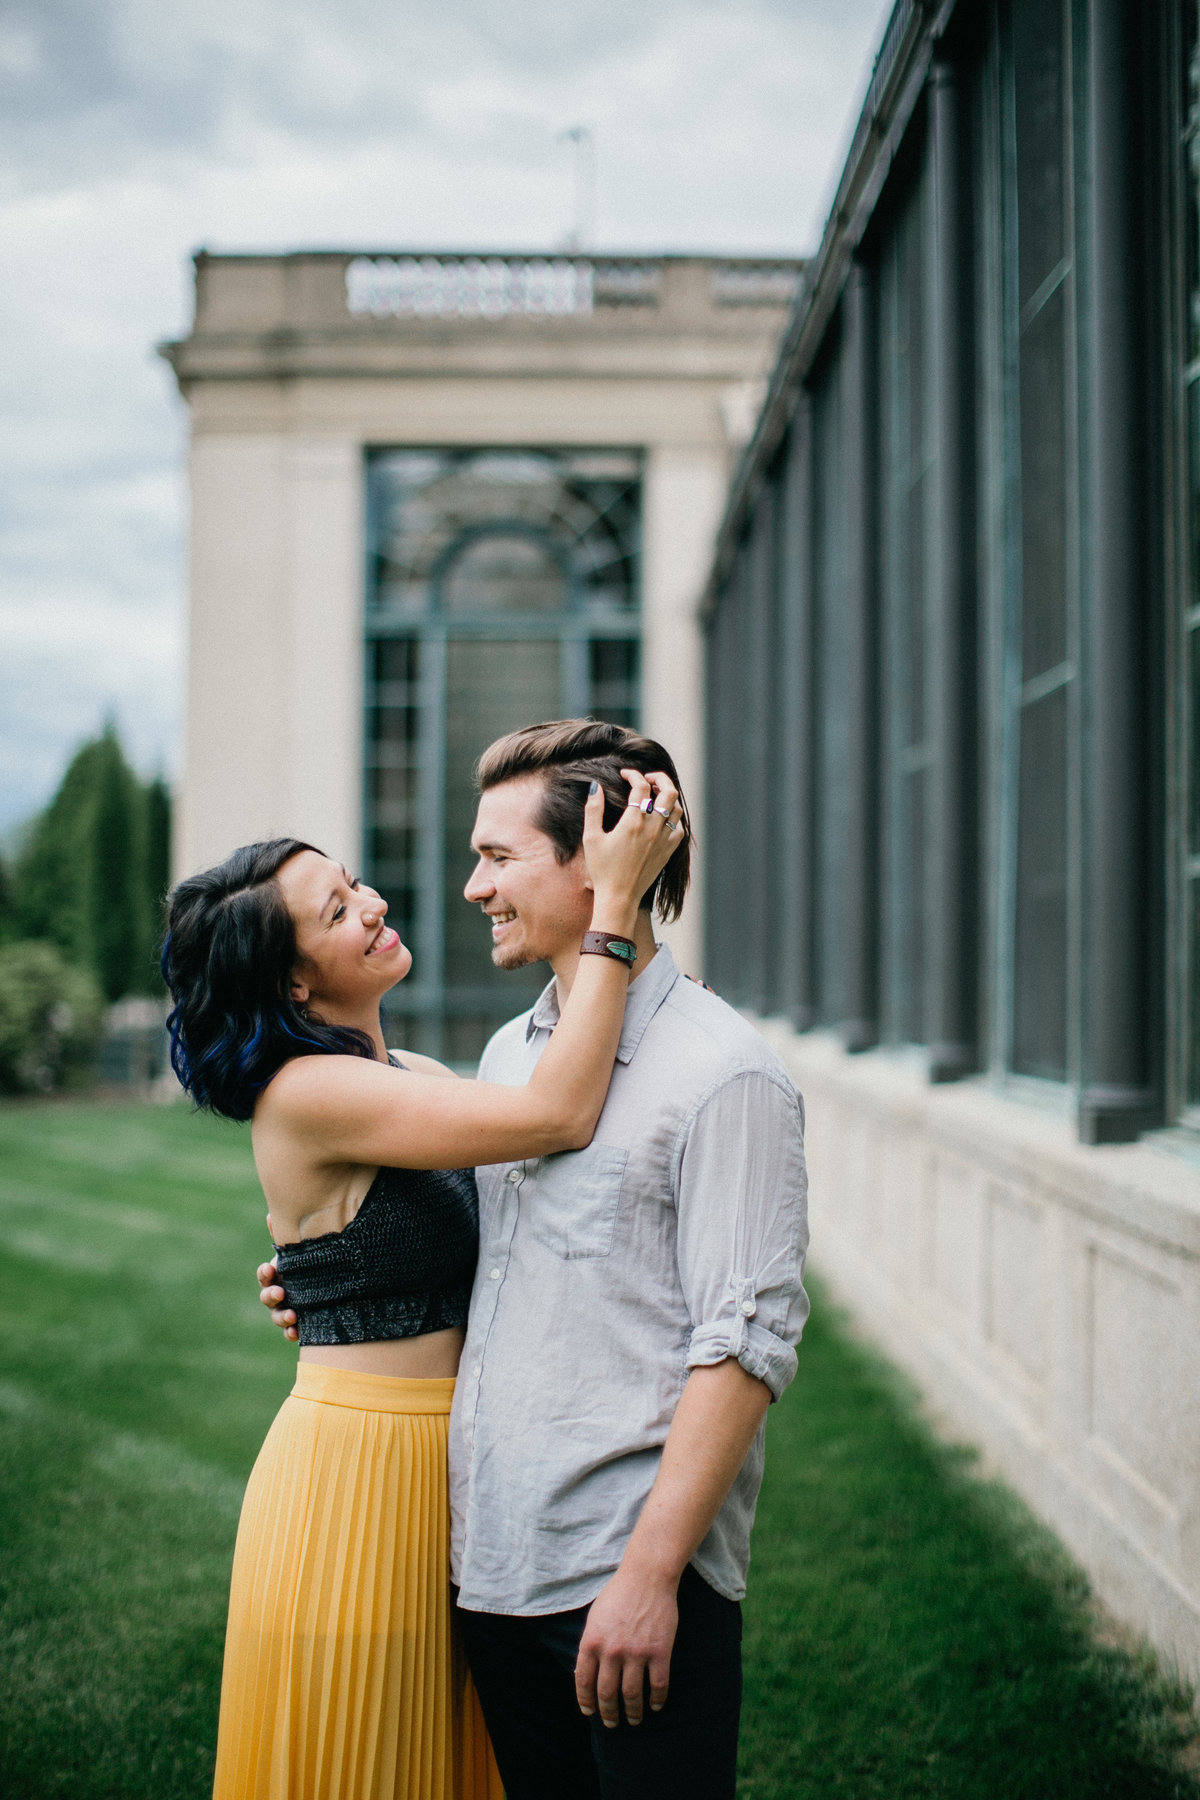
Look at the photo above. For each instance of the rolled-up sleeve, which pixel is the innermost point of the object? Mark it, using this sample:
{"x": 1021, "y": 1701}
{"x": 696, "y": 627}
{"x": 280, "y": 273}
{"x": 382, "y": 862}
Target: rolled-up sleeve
{"x": 742, "y": 1196}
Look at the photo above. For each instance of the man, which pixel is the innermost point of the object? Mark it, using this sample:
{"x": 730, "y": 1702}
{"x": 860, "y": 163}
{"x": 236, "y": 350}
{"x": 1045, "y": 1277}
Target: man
{"x": 635, "y": 1311}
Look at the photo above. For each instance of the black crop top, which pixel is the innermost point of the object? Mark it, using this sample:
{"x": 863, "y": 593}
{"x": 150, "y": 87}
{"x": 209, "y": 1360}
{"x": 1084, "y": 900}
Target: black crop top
{"x": 403, "y": 1266}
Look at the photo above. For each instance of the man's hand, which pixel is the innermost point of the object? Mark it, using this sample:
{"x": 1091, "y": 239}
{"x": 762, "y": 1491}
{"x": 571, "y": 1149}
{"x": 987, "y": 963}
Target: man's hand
{"x": 629, "y": 1635}
{"x": 630, "y": 1629}
{"x": 276, "y": 1299}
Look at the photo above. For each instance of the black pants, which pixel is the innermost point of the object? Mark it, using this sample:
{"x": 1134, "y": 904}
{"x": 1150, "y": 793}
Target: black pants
{"x": 524, "y": 1670}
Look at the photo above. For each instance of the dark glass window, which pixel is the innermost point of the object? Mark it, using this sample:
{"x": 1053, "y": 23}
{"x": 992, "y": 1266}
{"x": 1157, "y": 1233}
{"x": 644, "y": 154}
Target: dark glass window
{"x": 722, "y": 672}
{"x": 746, "y": 842}
{"x": 831, "y": 648}
{"x": 1189, "y": 684}
{"x": 982, "y": 635}
{"x": 907, "y": 469}
{"x": 613, "y": 680}
{"x": 791, "y": 846}
{"x": 759, "y": 841}
{"x": 1041, "y": 664}
{"x": 502, "y": 589}
{"x": 509, "y": 571}
{"x": 392, "y": 775}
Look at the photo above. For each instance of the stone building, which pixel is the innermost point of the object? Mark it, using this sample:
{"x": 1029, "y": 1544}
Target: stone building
{"x": 955, "y": 631}
{"x": 434, "y": 497}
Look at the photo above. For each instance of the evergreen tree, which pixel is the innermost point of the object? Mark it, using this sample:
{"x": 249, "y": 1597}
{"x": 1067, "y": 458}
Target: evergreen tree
{"x": 94, "y": 870}
{"x": 8, "y": 903}
{"x": 114, "y": 901}
{"x": 156, "y": 871}
{"x": 53, "y": 898}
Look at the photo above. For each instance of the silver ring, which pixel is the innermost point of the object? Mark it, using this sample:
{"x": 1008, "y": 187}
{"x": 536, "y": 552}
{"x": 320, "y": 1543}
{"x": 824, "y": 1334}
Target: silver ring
{"x": 664, "y": 815}
{"x": 648, "y": 806}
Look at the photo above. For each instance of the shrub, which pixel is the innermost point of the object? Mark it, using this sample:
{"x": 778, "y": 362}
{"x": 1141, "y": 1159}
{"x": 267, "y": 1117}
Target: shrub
{"x": 51, "y": 1017}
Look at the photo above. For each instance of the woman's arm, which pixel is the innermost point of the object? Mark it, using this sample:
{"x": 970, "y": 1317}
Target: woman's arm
{"x": 350, "y": 1110}
{"x": 423, "y": 1065}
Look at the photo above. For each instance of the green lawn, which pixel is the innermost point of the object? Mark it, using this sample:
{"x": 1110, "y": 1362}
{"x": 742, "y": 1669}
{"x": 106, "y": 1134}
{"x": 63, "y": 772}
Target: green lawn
{"x": 910, "y": 1632}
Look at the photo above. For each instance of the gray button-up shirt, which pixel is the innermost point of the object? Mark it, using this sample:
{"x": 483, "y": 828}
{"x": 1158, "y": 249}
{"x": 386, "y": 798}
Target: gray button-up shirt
{"x": 675, "y": 1240}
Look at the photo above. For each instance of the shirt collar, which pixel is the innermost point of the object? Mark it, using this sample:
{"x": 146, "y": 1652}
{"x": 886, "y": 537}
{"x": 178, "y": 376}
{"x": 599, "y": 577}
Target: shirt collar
{"x": 646, "y": 995}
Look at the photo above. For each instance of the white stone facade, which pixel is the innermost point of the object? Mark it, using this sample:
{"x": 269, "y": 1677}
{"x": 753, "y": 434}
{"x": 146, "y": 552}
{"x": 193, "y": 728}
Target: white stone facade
{"x": 297, "y": 365}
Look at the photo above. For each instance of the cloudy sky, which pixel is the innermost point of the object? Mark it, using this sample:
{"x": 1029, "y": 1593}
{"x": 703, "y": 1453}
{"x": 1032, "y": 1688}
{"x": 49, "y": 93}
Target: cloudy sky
{"x": 133, "y": 132}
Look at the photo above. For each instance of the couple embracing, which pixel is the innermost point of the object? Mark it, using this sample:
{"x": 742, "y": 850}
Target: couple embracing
{"x": 552, "y": 1534}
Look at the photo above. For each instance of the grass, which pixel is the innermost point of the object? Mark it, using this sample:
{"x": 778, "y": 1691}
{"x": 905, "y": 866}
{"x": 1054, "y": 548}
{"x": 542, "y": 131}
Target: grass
{"x": 913, "y": 1631}
{"x": 136, "y": 1382}
{"x": 910, "y": 1630}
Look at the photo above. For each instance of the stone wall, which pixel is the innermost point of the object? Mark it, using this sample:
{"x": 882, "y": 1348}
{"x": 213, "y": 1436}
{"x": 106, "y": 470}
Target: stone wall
{"x": 1044, "y": 1295}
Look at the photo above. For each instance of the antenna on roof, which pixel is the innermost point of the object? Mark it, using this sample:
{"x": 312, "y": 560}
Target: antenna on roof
{"x": 584, "y": 220}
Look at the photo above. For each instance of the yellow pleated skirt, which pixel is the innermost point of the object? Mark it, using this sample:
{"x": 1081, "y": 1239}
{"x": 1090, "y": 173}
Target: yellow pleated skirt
{"x": 343, "y": 1679}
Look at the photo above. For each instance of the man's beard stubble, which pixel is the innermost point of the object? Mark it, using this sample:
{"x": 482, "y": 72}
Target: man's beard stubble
{"x": 516, "y": 958}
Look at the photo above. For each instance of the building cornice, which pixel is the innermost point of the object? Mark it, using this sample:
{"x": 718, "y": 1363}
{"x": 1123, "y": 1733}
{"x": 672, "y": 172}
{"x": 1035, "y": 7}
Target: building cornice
{"x": 336, "y": 314}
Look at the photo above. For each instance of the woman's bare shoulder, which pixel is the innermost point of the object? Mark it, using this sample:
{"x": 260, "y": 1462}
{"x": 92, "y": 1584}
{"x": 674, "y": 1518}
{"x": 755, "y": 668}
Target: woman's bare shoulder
{"x": 302, "y": 1086}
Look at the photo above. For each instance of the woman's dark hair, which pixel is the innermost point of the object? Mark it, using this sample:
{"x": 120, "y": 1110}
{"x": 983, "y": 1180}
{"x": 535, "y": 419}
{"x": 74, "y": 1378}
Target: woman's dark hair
{"x": 569, "y": 754}
{"x": 228, "y": 959}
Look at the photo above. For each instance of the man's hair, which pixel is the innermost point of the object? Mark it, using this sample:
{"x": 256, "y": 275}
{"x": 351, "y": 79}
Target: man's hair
{"x": 569, "y": 754}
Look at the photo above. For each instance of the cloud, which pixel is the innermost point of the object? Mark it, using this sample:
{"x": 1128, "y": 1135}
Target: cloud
{"x": 132, "y": 133}
{"x": 97, "y": 88}
{"x": 73, "y": 100}
{"x": 67, "y": 663}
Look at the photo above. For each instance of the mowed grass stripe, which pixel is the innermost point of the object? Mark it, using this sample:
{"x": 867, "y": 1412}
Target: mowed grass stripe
{"x": 910, "y": 1631}
{"x": 137, "y": 1377}
{"x": 112, "y": 1604}
{"x": 913, "y": 1631}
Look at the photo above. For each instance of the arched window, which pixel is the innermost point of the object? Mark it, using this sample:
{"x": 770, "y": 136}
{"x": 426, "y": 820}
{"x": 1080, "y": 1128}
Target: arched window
{"x": 502, "y": 588}
{"x": 503, "y": 568}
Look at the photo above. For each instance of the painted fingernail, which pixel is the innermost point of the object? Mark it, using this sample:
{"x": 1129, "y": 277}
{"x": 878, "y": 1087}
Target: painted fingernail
{"x": 592, "y": 786}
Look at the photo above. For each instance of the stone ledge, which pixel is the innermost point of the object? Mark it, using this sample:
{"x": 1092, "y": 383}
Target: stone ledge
{"x": 1144, "y": 1188}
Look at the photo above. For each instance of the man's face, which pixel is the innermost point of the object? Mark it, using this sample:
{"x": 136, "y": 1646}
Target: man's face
{"x": 539, "y": 907}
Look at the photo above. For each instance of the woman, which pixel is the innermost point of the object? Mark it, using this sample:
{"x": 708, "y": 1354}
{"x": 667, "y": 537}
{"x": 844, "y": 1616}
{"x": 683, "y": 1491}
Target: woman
{"x": 341, "y": 1681}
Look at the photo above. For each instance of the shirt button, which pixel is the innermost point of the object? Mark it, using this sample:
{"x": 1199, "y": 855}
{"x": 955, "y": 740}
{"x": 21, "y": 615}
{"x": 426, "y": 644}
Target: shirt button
{"x": 514, "y": 1175}
{"x": 477, "y": 1371}
{"x": 493, "y": 1274}
{"x": 749, "y": 1308}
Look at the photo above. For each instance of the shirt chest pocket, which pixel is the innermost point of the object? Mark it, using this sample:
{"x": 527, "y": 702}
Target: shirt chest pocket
{"x": 575, "y": 1198}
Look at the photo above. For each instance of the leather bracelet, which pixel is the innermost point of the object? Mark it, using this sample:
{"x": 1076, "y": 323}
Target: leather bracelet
{"x": 607, "y": 943}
